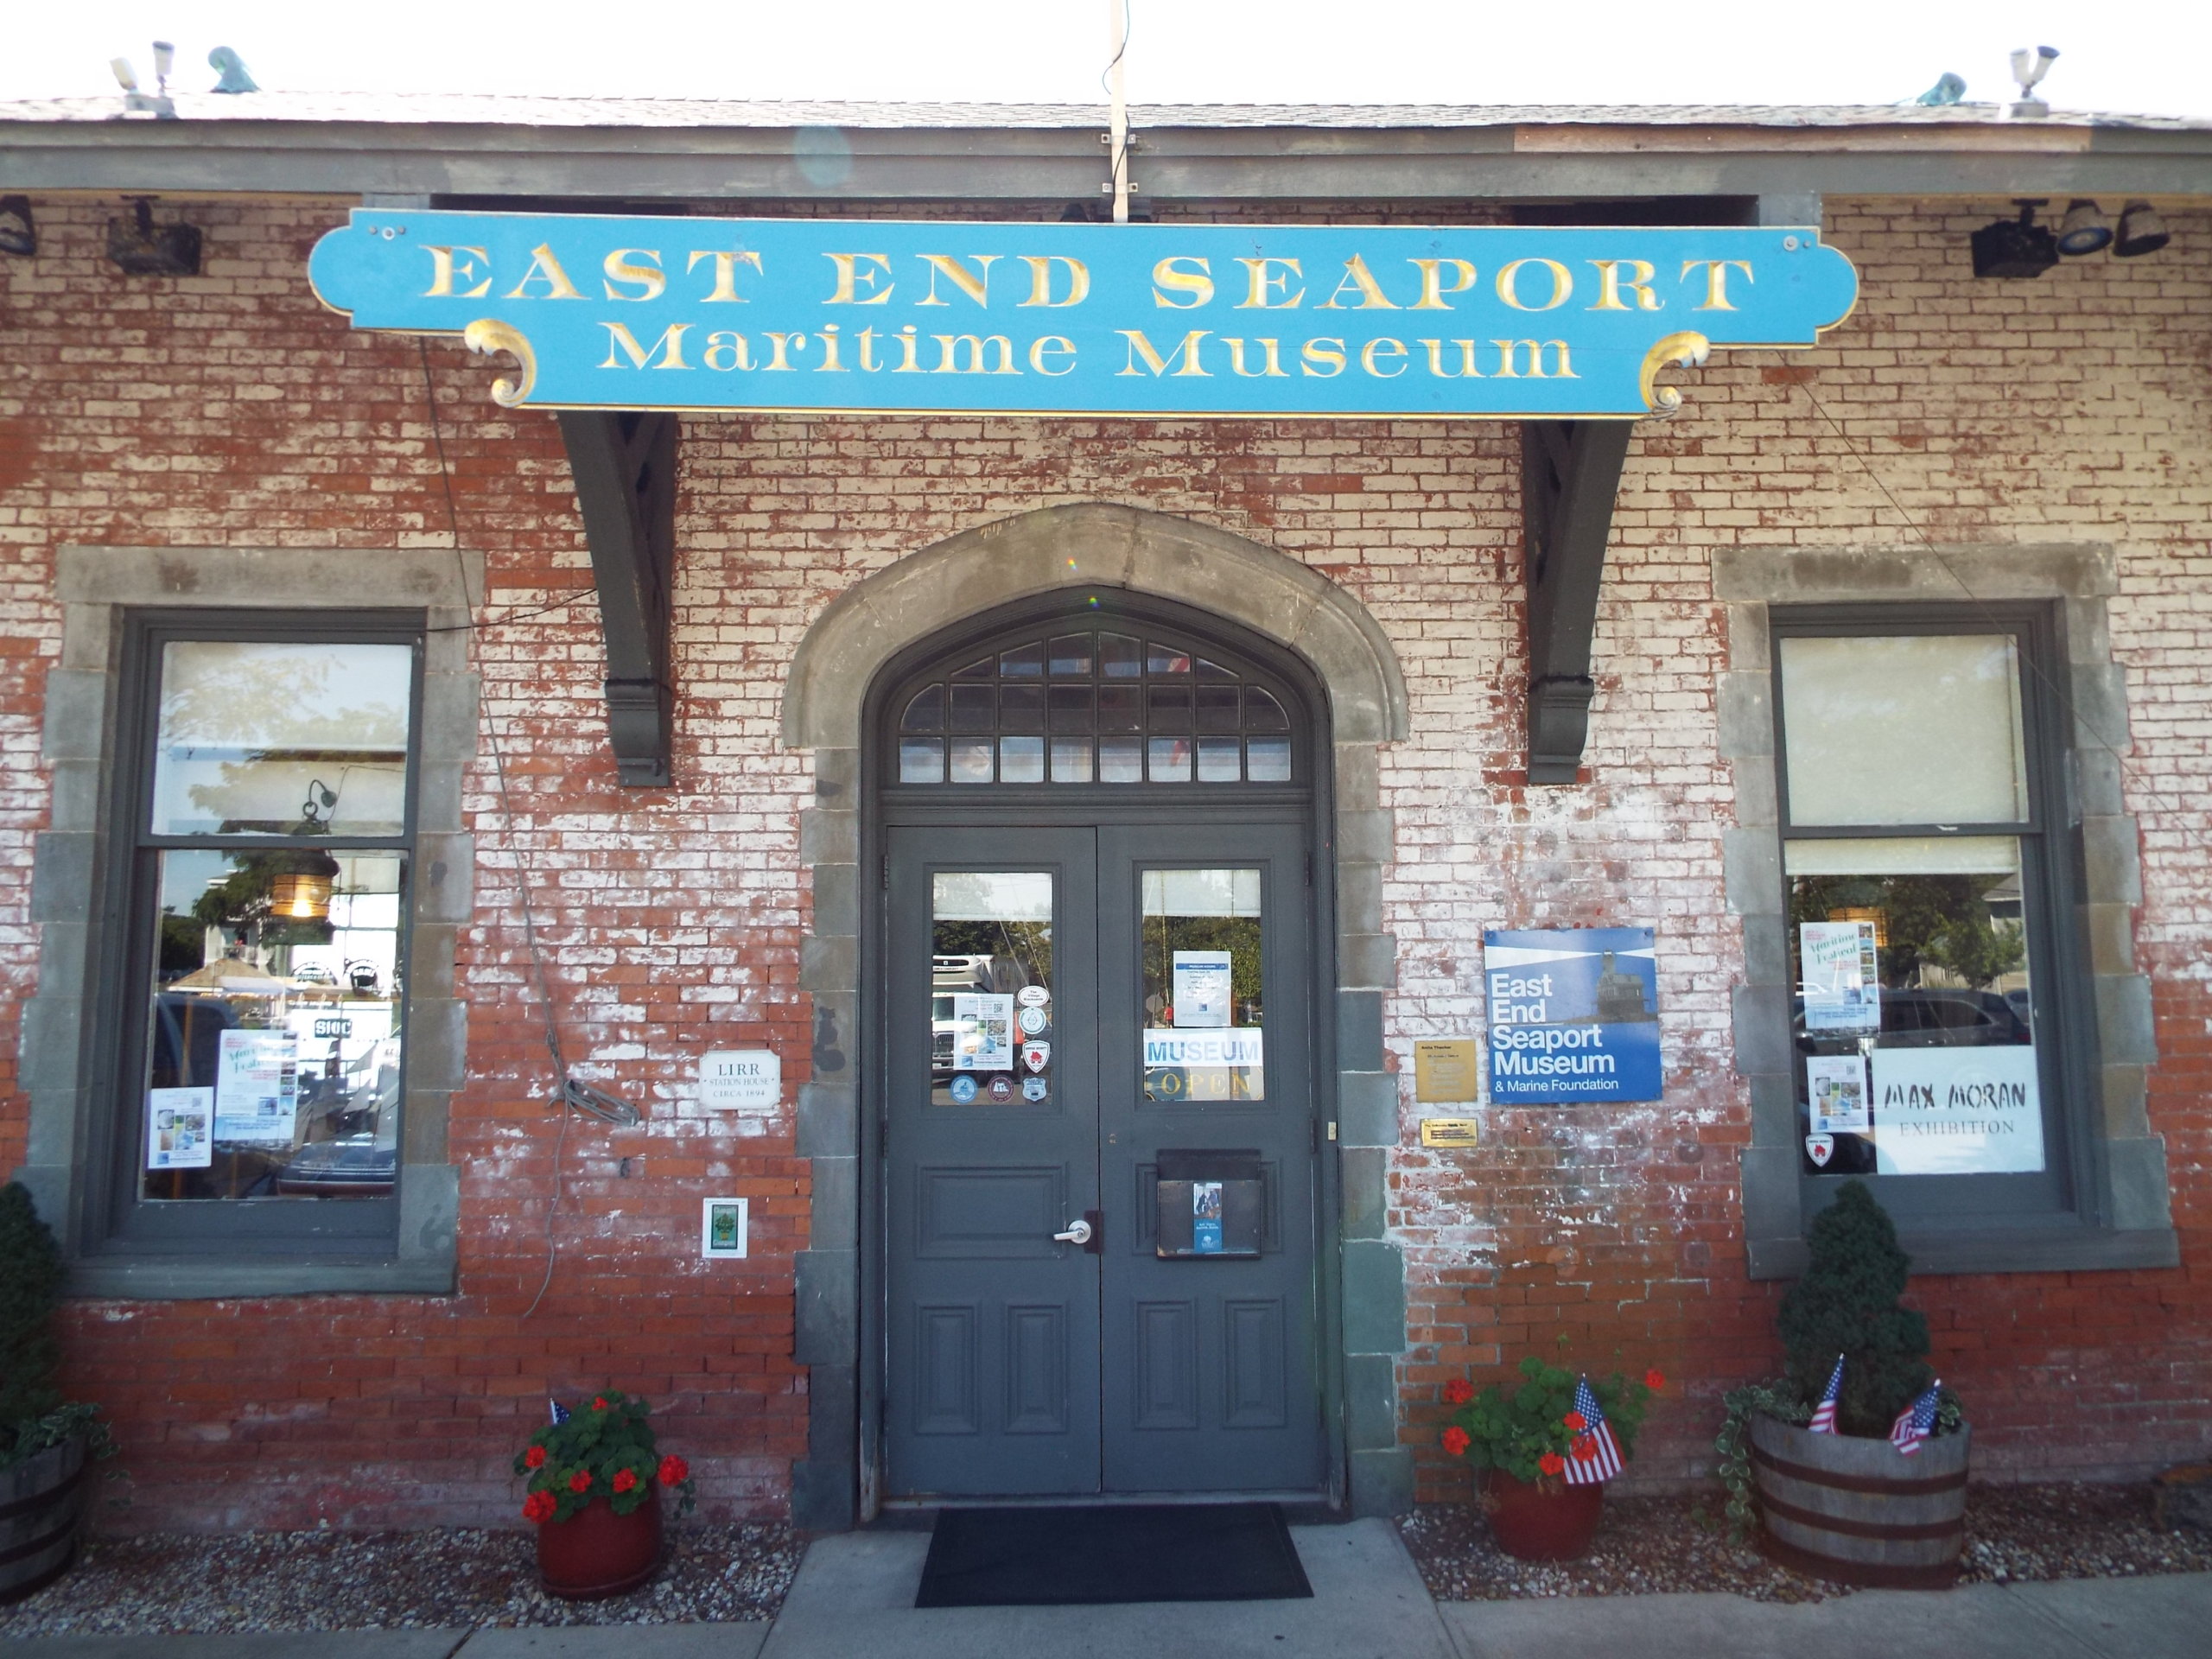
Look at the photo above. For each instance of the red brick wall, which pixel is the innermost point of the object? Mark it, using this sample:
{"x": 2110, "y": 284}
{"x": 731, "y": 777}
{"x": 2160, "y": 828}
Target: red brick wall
{"x": 231, "y": 409}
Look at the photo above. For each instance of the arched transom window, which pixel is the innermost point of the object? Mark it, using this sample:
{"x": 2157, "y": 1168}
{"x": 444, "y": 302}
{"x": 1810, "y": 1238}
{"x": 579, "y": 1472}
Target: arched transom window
{"x": 1094, "y": 707}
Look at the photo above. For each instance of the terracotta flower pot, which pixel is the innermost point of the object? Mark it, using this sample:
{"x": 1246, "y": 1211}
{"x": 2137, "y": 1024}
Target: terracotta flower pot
{"x": 1550, "y": 1522}
{"x": 596, "y": 1553}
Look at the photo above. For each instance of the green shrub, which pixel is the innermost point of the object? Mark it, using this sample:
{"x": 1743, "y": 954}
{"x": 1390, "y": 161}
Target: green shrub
{"x": 1847, "y": 1304}
{"x": 30, "y": 1290}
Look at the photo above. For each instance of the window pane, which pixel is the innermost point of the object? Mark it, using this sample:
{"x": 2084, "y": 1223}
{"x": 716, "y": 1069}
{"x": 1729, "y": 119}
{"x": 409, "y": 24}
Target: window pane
{"x": 1216, "y": 708}
{"x": 1119, "y": 708}
{"x": 1021, "y": 709}
{"x": 1071, "y": 760}
{"x": 1023, "y": 662}
{"x": 274, "y": 1025}
{"x": 974, "y": 708}
{"x": 921, "y": 760}
{"x": 1262, "y": 712}
{"x": 971, "y": 761}
{"x": 981, "y": 670}
{"x": 1200, "y": 962}
{"x": 1917, "y": 728}
{"x": 1165, "y": 659}
{"x": 1071, "y": 656}
{"x": 925, "y": 713}
{"x": 990, "y": 988}
{"x": 1120, "y": 760}
{"x": 1170, "y": 709}
{"x": 1914, "y": 1018}
{"x": 1267, "y": 759}
{"x": 1218, "y": 760}
{"x": 1021, "y": 761}
{"x": 1073, "y": 709}
{"x": 1170, "y": 759}
{"x": 1120, "y": 658}
{"x": 255, "y": 738}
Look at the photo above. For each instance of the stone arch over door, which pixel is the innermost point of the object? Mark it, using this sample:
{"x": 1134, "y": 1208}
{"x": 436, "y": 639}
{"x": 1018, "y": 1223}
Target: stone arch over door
{"x": 824, "y": 710}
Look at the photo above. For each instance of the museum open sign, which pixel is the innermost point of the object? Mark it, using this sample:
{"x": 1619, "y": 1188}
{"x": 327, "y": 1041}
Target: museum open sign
{"x": 1129, "y": 320}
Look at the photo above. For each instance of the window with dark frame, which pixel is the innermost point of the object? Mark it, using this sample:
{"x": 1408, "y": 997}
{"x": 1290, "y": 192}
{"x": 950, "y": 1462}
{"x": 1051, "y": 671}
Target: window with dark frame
{"x": 1923, "y": 888}
{"x": 266, "y": 792}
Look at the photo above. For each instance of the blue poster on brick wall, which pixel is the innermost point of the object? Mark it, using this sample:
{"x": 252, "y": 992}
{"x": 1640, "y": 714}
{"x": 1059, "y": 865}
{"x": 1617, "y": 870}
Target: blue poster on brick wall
{"x": 1573, "y": 1014}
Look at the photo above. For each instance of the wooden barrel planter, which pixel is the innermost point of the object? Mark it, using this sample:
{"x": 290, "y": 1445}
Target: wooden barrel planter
{"x": 1858, "y": 1511}
{"x": 42, "y": 1501}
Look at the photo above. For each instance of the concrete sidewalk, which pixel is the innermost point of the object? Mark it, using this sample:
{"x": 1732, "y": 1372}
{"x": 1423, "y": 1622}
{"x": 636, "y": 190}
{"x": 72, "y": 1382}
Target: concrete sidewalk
{"x": 854, "y": 1597}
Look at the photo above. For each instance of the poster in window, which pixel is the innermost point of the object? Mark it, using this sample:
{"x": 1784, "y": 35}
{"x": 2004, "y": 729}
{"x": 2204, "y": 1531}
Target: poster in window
{"x": 257, "y": 1088}
{"x": 1836, "y": 1085}
{"x": 1573, "y": 1014}
{"x": 1957, "y": 1111}
{"x": 1202, "y": 993}
{"x": 1839, "y": 971}
{"x": 982, "y": 1033}
{"x": 1201, "y": 1065}
{"x": 178, "y": 1133}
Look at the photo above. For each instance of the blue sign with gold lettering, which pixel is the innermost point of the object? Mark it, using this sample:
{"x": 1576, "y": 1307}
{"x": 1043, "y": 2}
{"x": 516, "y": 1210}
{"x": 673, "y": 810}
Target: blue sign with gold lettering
{"x": 1135, "y": 319}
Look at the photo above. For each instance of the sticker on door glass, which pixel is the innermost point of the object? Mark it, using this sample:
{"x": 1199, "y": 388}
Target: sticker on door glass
{"x": 983, "y": 1033}
{"x": 1837, "y": 1085}
{"x": 1202, "y": 993}
{"x": 1203, "y": 1064}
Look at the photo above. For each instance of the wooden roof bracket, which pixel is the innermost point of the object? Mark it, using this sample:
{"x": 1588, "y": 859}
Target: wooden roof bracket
{"x": 1570, "y": 474}
{"x": 624, "y": 464}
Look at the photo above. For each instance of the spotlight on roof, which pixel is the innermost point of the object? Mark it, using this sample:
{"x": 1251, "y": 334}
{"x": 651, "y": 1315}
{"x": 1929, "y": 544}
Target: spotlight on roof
{"x": 134, "y": 101}
{"x": 18, "y": 232}
{"x": 2020, "y": 247}
{"x": 2141, "y": 232}
{"x": 2029, "y": 65}
{"x": 141, "y": 248}
{"x": 2084, "y": 229}
{"x": 164, "y": 60}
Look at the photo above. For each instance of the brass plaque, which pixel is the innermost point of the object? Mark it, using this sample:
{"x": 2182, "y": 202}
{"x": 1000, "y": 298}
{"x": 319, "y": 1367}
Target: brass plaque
{"x": 1447, "y": 1131}
{"x": 1444, "y": 1070}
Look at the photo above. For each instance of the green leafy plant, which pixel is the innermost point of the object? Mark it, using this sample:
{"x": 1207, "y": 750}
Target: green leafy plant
{"x": 1845, "y": 1304}
{"x": 603, "y": 1449}
{"x": 1530, "y": 1429}
{"x": 33, "y": 1415}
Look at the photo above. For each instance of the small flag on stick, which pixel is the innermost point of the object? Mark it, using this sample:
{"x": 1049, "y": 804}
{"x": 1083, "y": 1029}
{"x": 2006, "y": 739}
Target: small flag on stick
{"x": 1916, "y": 1421}
{"x": 1596, "y": 1455}
{"x": 1824, "y": 1413}
{"x": 560, "y": 1414}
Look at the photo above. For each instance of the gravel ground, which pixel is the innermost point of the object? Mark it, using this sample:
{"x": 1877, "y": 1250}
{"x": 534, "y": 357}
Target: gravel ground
{"x": 174, "y": 1583}
{"x": 1646, "y": 1546}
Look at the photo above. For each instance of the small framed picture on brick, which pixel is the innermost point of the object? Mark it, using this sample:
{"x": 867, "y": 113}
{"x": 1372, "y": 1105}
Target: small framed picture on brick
{"x": 722, "y": 1226}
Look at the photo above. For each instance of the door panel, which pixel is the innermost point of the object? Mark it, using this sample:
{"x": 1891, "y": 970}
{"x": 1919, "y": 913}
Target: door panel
{"x": 992, "y": 1374}
{"x": 1221, "y": 1389}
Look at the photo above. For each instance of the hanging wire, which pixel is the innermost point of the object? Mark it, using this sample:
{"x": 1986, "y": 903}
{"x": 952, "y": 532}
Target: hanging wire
{"x": 523, "y": 873}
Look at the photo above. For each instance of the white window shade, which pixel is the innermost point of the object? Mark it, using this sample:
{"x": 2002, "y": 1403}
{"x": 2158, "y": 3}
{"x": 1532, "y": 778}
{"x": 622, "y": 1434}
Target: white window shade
{"x": 1913, "y": 728}
{"x": 1904, "y": 855}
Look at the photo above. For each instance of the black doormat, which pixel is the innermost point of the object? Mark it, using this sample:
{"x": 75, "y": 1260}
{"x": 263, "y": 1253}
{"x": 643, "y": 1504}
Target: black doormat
{"x": 1107, "y": 1553}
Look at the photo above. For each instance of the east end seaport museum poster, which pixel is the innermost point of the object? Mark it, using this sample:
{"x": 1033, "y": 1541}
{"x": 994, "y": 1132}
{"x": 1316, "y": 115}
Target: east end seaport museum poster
{"x": 1466, "y": 321}
{"x": 1573, "y": 1014}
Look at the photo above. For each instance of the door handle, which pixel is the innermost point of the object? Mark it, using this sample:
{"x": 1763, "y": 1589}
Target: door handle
{"x": 1086, "y": 1233}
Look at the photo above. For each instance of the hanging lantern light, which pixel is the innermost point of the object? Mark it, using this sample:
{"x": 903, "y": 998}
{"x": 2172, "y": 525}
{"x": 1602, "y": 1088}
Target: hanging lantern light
{"x": 302, "y": 893}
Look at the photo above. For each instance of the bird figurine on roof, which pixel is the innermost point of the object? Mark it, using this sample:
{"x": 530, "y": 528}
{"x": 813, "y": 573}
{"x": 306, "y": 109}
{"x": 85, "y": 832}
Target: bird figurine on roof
{"x": 232, "y": 66}
{"x": 1948, "y": 90}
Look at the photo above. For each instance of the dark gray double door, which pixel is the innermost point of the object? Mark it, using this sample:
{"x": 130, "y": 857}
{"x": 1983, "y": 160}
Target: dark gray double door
{"x": 1071, "y": 1013}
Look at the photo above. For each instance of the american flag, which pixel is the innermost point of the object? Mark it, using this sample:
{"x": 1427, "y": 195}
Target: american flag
{"x": 1824, "y": 1413}
{"x": 1916, "y": 1421}
{"x": 560, "y": 1414}
{"x": 1596, "y": 1455}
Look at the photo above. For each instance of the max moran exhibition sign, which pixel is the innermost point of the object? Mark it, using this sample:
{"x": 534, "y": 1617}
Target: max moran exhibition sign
{"x": 1481, "y": 322}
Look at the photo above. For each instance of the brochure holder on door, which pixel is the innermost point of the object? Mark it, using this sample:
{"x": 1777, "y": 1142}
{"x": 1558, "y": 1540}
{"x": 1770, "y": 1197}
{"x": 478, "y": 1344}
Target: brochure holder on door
{"x": 1210, "y": 1203}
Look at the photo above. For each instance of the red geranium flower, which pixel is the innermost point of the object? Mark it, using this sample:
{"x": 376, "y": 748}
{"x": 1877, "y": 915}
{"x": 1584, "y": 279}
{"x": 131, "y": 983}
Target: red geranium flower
{"x": 580, "y": 1481}
{"x": 1456, "y": 1441}
{"x": 1576, "y": 1421}
{"x": 625, "y": 1479}
{"x": 1654, "y": 1381}
{"x": 539, "y": 1506}
{"x": 534, "y": 1458}
{"x": 1458, "y": 1391}
{"x": 673, "y": 1470}
{"x": 1551, "y": 1463}
{"x": 1585, "y": 1449}
{"x": 599, "y": 1402}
